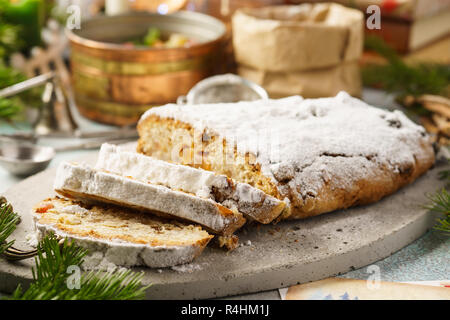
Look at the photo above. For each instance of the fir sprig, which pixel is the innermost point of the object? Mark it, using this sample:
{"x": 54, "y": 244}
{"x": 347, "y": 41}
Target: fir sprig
{"x": 51, "y": 277}
{"x": 12, "y": 107}
{"x": 440, "y": 203}
{"x": 109, "y": 286}
{"x": 404, "y": 79}
{"x": 51, "y": 274}
{"x": 9, "y": 109}
{"x": 8, "y": 221}
{"x": 53, "y": 259}
{"x": 10, "y": 39}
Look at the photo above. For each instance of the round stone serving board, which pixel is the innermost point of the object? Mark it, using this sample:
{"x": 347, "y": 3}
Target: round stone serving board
{"x": 273, "y": 256}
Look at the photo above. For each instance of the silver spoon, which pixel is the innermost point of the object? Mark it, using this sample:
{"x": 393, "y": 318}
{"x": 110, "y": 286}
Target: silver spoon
{"x": 24, "y": 159}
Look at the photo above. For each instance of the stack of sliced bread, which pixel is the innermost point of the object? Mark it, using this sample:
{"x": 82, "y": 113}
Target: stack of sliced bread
{"x": 203, "y": 171}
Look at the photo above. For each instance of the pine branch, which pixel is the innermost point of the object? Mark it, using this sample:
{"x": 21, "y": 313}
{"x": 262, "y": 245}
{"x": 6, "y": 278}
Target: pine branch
{"x": 11, "y": 40}
{"x": 9, "y": 108}
{"x": 10, "y": 34}
{"x": 444, "y": 175}
{"x": 109, "y": 286}
{"x": 53, "y": 259}
{"x": 8, "y": 221}
{"x": 444, "y": 225}
{"x": 404, "y": 79}
{"x": 50, "y": 273}
{"x": 13, "y": 106}
{"x": 440, "y": 203}
{"x": 50, "y": 277}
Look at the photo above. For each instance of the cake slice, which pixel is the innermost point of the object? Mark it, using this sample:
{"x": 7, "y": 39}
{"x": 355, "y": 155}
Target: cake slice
{"x": 120, "y": 236}
{"x": 81, "y": 182}
{"x": 250, "y": 201}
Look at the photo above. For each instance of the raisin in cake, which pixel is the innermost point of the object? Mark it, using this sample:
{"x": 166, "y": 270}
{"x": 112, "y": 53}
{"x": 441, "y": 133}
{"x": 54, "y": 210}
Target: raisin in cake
{"x": 320, "y": 154}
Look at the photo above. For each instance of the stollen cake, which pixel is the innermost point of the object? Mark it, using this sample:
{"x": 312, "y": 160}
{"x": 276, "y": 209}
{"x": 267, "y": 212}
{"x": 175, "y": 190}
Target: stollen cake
{"x": 118, "y": 236}
{"x": 241, "y": 197}
{"x": 319, "y": 154}
{"x": 81, "y": 182}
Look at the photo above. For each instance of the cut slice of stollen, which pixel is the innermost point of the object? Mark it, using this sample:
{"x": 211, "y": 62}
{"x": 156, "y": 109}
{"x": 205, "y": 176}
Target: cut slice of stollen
{"x": 79, "y": 181}
{"x": 120, "y": 236}
{"x": 252, "y": 202}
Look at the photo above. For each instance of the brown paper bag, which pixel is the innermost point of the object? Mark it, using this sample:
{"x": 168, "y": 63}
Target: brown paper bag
{"x": 297, "y": 38}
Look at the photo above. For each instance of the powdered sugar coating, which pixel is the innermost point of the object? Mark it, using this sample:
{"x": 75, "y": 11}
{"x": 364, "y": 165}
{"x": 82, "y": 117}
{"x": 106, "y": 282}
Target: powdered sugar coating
{"x": 300, "y": 143}
{"x": 147, "y": 169}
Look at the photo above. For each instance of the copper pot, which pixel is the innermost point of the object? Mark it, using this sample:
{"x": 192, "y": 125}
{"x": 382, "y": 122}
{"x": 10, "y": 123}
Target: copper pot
{"x": 115, "y": 84}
